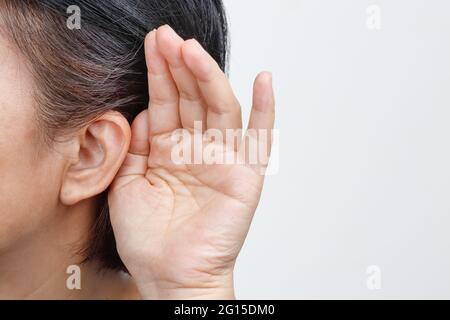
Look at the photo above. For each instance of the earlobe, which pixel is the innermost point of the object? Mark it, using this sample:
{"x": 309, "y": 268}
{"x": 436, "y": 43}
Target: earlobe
{"x": 101, "y": 149}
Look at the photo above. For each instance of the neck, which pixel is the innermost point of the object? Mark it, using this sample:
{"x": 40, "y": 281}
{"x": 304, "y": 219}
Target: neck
{"x": 36, "y": 267}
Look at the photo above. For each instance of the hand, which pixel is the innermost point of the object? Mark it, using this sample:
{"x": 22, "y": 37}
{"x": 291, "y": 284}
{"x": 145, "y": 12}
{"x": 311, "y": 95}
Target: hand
{"x": 180, "y": 227}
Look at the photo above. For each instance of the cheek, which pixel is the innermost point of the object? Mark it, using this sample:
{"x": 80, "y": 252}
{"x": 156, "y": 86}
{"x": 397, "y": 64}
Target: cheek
{"x": 28, "y": 178}
{"x": 29, "y": 172}
{"x": 29, "y": 188}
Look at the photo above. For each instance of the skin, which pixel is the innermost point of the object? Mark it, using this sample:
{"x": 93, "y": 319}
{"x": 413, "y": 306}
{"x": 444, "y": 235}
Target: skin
{"x": 179, "y": 227}
{"x": 39, "y": 234}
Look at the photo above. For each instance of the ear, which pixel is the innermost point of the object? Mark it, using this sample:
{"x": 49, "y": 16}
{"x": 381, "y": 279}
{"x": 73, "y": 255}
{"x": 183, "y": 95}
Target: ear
{"x": 98, "y": 153}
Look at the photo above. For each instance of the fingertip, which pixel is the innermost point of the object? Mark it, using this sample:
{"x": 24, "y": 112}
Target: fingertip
{"x": 165, "y": 36}
{"x": 263, "y": 93}
{"x": 140, "y": 123}
{"x": 188, "y": 49}
{"x": 150, "y": 34}
{"x": 164, "y": 27}
{"x": 153, "y": 58}
{"x": 193, "y": 43}
{"x": 265, "y": 78}
{"x": 149, "y": 41}
{"x": 139, "y": 144}
{"x": 196, "y": 59}
{"x": 169, "y": 43}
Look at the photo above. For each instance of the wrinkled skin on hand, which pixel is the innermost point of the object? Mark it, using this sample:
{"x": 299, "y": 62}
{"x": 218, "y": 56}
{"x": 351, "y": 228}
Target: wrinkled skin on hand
{"x": 179, "y": 227}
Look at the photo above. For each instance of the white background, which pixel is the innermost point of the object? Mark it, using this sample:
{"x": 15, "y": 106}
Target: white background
{"x": 364, "y": 120}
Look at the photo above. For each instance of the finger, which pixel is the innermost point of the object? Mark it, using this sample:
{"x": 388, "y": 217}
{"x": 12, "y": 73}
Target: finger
{"x": 263, "y": 110}
{"x": 224, "y": 111}
{"x": 192, "y": 106}
{"x": 139, "y": 144}
{"x": 163, "y": 108}
{"x": 259, "y": 135}
{"x": 136, "y": 160}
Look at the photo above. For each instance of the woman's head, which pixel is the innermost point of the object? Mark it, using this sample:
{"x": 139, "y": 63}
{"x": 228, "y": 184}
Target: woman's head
{"x": 66, "y": 102}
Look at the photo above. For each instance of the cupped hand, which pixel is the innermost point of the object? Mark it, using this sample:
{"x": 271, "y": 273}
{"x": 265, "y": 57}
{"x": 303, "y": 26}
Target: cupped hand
{"x": 180, "y": 225}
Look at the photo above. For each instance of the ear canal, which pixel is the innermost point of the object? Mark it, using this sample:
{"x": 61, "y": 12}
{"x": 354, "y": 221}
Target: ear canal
{"x": 91, "y": 151}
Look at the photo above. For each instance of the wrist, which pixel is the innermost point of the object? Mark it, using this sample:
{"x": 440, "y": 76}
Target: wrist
{"x": 217, "y": 290}
{"x": 190, "y": 294}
